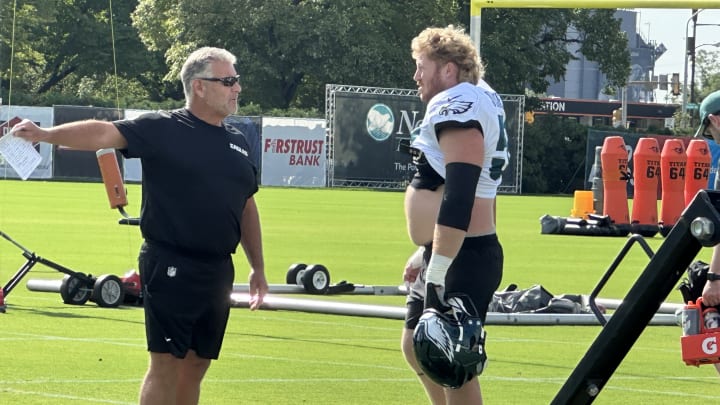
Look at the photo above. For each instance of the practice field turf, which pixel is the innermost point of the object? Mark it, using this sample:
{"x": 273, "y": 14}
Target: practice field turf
{"x": 54, "y": 353}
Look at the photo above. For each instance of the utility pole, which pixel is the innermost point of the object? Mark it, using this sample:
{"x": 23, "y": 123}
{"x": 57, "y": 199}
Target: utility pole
{"x": 692, "y": 57}
{"x": 689, "y": 44}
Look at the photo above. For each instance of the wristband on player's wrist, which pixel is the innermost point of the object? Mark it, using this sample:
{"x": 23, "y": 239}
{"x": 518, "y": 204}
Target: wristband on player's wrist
{"x": 438, "y": 266}
{"x": 417, "y": 257}
{"x": 713, "y": 276}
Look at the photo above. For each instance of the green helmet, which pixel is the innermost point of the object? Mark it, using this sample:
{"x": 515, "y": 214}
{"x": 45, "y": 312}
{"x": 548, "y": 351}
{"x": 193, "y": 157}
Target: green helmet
{"x": 709, "y": 105}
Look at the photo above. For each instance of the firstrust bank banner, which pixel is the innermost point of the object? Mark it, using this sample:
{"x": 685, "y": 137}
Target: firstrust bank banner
{"x": 293, "y": 152}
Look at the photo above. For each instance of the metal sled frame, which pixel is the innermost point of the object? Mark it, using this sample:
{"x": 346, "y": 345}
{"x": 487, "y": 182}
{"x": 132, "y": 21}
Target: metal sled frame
{"x": 32, "y": 260}
{"x": 698, "y": 226}
{"x": 75, "y": 288}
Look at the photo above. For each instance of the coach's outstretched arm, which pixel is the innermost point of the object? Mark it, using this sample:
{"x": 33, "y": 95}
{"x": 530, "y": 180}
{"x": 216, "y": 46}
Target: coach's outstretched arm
{"x": 85, "y": 135}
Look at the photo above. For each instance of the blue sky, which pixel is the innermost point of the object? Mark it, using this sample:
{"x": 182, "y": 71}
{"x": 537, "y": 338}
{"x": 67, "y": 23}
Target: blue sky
{"x": 667, "y": 26}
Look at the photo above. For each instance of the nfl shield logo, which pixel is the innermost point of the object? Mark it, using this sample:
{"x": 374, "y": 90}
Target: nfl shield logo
{"x": 171, "y": 271}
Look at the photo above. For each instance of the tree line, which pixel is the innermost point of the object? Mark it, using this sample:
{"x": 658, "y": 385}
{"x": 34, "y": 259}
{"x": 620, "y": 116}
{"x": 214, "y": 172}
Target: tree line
{"x": 83, "y": 52}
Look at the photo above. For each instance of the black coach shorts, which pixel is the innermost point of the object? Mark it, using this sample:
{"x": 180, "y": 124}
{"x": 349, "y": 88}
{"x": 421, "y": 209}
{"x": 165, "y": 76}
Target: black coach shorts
{"x": 186, "y": 300}
{"x": 476, "y": 271}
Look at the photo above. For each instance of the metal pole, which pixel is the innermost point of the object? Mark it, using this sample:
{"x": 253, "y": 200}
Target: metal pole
{"x": 687, "y": 52}
{"x": 695, "y": 229}
{"x": 623, "y": 103}
{"x": 692, "y": 57}
{"x": 475, "y": 29}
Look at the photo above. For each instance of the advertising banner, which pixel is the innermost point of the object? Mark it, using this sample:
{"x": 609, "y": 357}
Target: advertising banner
{"x": 368, "y": 131}
{"x": 42, "y": 116}
{"x": 293, "y": 152}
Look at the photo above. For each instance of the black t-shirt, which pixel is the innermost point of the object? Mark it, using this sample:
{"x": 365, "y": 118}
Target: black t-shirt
{"x": 197, "y": 178}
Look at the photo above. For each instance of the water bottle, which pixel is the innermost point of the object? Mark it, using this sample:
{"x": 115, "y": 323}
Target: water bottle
{"x": 711, "y": 318}
{"x": 691, "y": 319}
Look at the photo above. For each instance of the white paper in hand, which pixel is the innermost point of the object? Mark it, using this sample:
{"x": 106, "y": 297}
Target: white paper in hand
{"x": 20, "y": 154}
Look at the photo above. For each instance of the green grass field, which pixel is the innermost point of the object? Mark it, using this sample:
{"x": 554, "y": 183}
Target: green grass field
{"x": 62, "y": 354}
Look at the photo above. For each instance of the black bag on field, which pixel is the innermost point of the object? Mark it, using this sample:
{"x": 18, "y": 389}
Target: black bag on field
{"x": 535, "y": 299}
{"x": 691, "y": 287}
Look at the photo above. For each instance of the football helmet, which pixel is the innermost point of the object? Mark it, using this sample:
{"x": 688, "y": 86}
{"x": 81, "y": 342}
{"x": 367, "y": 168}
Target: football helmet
{"x": 450, "y": 346}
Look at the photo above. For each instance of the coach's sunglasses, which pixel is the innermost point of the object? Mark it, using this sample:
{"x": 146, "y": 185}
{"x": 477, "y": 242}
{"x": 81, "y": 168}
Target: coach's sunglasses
{"x": 226, "y": 81}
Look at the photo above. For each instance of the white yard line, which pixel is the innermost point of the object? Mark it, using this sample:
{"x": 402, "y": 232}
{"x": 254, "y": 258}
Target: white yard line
{"x": 61, "y": 396}
{"x": 113, "y": 341}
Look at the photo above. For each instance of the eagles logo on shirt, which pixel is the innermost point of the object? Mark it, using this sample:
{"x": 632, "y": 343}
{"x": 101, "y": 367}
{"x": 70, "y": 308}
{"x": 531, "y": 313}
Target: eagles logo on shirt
{"x": 455, "y": 106}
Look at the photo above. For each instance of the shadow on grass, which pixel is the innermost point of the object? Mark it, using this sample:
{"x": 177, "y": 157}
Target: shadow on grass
{"x": 524, "y": 365}
{"x": 324, "y": 342}
{"x": 64, "y": 312}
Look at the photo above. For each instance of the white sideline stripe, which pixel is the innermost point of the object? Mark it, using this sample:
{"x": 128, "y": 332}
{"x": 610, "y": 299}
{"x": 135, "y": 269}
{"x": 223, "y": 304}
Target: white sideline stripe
{"x": 71, "y": 381}
{"x": 24, "y": 336}
{"x": 673, "y": 393}
{"x": 546, "y": 380}
{"x": 560, "y": 380}
{"x": 538, "y": 380}
{"x": 21, "y": 335}
{"x": 61, "y": 396}
{"x": 235, "y": 315}
{"x": 128, "y": 341}
{"x": 224, "y": 354}
{"x": 141, "y": 341}
{"x": 309, "y": 380}
{"x": 496, "y": 339}
{"x": 327, "y": 363}
{"x": 116, "y": 342}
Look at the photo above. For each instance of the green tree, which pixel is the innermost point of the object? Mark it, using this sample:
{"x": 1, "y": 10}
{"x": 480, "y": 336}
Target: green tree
{"x": 19, "y": 61}
{"x": 707, "y": 67}
{"x": 65, "y": 46}
{"x": 554, "y": 156}
{"x": 288, "y": 50}
{"x": 523, "y": 48}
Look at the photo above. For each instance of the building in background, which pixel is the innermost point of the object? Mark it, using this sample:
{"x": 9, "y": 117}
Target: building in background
{"x": 584, "y": 80}
{"x": 580, "y": 94}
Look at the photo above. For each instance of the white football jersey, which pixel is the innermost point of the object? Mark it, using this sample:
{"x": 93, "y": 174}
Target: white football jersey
{"x": 462, "y": 104}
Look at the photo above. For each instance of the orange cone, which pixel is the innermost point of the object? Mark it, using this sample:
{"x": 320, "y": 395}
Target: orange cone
{"x": 614, "y": 161}
{"x": 646, "y": 169}
{"x": 697, "y": 169}
{"x": 582, "y": 204}
{"x": 672, "y": 171}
